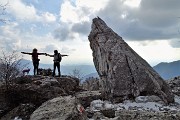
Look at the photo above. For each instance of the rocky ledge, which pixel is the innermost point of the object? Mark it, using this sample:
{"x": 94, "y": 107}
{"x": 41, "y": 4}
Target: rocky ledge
{"x": 35, "y": 90}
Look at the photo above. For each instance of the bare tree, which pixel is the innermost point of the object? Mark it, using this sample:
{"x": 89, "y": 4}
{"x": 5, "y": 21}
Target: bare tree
{"x": 2, "y": 12}
{"x": 76, "y": 73}
{"x": 10, "y": 67}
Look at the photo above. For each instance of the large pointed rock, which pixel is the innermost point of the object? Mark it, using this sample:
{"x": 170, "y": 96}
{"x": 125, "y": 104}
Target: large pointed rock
{"x": 122, "y": 71}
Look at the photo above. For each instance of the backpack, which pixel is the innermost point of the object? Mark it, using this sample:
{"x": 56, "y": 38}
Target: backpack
{"x": 59, "y": 57}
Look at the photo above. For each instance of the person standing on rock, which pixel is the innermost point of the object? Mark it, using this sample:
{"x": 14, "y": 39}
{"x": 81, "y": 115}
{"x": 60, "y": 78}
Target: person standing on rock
{"x": 35, "y": 59}
{"x": 57, "y": 59}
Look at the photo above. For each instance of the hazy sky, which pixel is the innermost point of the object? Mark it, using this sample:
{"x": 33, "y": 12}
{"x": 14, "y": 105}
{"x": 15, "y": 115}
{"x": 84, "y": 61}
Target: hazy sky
{"x": 150, "y": 27}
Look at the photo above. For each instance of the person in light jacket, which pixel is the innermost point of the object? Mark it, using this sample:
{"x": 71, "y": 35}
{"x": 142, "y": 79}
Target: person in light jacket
{"x": 57, "y": 59}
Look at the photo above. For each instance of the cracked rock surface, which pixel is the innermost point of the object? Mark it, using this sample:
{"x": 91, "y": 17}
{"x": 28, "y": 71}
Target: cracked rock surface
{"x": 123, "y": 73}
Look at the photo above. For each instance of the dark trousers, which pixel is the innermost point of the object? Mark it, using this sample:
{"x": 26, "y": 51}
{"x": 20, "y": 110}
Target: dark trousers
{"x": 36, "y": 66}
{"x": 56, "y": 64}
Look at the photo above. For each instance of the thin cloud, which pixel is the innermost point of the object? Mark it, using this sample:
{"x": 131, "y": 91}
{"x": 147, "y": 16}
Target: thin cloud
{"x": 67, "y": 50}
{"x": 82, "y": 28}
{"x": 62, "y": 33}
{"x": 175, "y": 43}
{"x": 9, "y": 38}
{"x": 50, "y": 48}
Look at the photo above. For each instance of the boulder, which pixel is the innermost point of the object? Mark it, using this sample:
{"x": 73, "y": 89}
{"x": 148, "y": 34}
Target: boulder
{"x": 123, "y": 73}
{"x": 86, "y": 97}
{"x": 60, "y": 108}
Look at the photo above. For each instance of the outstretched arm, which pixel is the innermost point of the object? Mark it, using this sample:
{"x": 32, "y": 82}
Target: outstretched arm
{"x": 26, "y": 53}
{"x": 63, "y": 55}
{"x": 49, "y": 55}
{"x": 42, "y": 53}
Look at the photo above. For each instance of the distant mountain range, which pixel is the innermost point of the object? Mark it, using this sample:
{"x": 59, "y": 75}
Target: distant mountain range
{"x": 166, "y": 70}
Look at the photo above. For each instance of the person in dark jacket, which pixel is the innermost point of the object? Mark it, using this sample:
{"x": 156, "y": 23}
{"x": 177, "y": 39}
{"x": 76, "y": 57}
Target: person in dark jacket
{"x": 35, "y": 59}
{"x": 57, "y": 59}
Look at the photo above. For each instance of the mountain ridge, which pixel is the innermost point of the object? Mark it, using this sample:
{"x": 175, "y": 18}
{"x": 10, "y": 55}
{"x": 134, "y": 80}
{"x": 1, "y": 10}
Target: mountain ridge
{"x": 168, "y": 70}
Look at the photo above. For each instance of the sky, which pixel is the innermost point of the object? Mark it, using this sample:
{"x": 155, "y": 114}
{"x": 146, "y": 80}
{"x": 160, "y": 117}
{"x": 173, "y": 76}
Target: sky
{"x": 150, "y": 27}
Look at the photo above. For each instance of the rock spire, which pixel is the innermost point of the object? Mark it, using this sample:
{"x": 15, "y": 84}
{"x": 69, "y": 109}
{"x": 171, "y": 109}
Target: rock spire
{"x": 123, "y": 73}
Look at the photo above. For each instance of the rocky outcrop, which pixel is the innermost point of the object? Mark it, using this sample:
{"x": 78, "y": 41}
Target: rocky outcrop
{"x": 40, "y": 89}
{"x": 123, "y": 73}
{"x": 35, "y": 90}
{"x": 61, "y": 108}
